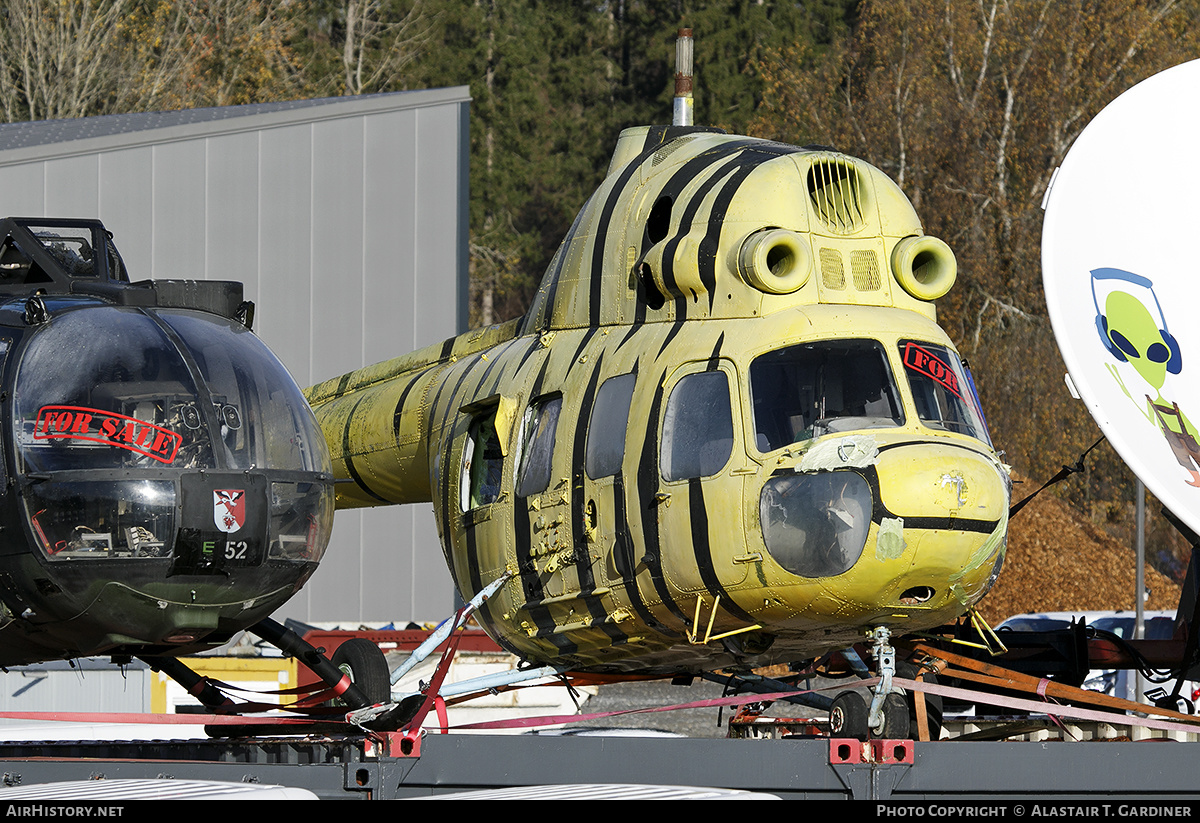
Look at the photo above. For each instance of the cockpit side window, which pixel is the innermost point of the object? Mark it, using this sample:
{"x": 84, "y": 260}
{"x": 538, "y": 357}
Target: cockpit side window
{"x": 697, "y": 435}
{"x": 606, "y": 429}
{"x": 942, "y": 389}
{"x": 537, "y": 450}
{"x": 804, "y": 391}
{"x": 254, "y": 418}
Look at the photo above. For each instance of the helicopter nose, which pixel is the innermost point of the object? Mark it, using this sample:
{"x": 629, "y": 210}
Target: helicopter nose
{"x": 918, "y": 529}
{"x": 942, "y": 485}
{"x": 944, "y": 523}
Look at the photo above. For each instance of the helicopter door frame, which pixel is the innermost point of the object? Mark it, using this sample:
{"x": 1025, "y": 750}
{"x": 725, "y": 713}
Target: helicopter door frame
{"x": 700, "y": 509}
{"x": 606, "y": 488}
{"x": 480, "y": 532}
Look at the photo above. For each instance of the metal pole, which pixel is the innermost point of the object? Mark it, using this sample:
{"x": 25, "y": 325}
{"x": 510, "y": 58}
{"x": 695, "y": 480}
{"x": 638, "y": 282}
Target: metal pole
{"x": 1139, "y": 630}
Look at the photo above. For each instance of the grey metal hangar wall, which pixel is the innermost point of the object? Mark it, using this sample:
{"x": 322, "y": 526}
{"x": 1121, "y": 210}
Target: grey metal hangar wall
{"x": 346, "y": 218}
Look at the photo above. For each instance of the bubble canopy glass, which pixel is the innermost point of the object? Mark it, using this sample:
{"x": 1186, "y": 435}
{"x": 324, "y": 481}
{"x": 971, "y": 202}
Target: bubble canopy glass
{"x": 116, "y": 408}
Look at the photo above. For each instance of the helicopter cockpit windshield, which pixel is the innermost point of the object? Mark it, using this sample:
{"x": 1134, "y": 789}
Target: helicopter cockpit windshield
{"x": 115, "y": 408}
{"x": 807, "y": 390}
{"x": 811, "y": 389}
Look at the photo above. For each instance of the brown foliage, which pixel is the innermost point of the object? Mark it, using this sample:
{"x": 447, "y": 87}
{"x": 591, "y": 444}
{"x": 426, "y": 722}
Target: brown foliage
{"x": 1058, "y": 561}
{"x": 76, "y": 58}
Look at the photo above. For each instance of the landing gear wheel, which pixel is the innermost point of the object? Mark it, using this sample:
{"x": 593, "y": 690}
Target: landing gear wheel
{"x": 367, "y": 667}
{"x": 895, "y": 718}
{"x": 848, "y": 716}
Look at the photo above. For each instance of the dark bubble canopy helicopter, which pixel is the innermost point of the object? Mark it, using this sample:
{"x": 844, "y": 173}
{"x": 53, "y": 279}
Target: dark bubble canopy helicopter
{"x": 165, "y": 483}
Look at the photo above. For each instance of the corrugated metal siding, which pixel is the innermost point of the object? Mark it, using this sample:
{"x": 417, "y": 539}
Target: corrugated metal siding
{"x": 345, "y": 219}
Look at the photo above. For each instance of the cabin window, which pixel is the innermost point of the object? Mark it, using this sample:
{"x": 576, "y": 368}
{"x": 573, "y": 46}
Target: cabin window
{"x": 804, "y": 391}
{"x": 606, "y": 429}
{"x": 70, "y": 246}
{"x": 540, "y": 427}
{"x": 942, "y": 389}
{"x": 483, "y": 463}
{"x": 697, "y": 436}
{"x": 256, "y": 422}
{"x": 103, "y": 519}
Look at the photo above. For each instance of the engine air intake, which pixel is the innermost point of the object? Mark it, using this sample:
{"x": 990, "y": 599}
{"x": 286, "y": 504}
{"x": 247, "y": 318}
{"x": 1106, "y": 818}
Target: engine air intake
{"x": 837, "y": 195}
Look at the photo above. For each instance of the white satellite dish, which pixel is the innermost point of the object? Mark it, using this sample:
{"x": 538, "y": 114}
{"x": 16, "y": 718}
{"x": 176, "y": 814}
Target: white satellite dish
{"x": 1121, "y": 269}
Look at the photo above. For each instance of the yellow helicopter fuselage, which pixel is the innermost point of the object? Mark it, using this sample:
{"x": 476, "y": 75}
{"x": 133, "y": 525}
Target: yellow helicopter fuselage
{"x": 729, "y": 429}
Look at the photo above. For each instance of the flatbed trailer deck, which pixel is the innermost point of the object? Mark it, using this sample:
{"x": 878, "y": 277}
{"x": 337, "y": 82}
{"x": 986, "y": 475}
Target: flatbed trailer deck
{"x": 354, "y": 768}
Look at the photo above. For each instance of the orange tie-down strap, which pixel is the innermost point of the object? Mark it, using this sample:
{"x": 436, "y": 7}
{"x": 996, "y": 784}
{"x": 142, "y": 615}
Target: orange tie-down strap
{"x": 949, "y": 665}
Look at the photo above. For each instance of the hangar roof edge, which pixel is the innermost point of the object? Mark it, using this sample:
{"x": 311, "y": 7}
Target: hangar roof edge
{"x": 46, "y": 139}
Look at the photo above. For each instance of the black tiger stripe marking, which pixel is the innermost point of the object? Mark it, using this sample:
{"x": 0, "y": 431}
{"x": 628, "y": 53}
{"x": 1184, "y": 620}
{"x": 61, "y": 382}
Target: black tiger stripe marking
{"x": 537, "y": 319}
{"x": 879, "y": 511}
{"x": 624, "y": 534}
{"x": 647, "y": 486}
{"x": 728, "y": 154}
{"x": 619, "y": 193}
{"x": 472, "y": 547}
{"x": 446, "y": 473}
{"x": 624, "y": 541}
{"x": 958, "y": 524}
{"x": 946, "y": 522}
{"x": 714, "y": 359}
{"x": 583, "y": 344}
{"x": 630, "y": 333}
{"x": 494, "y": 357}
{"x": 531, "y": 582}
{"x": 600, "y": 237}
{"x": 499, "y": 360}
{"x": 730, "y": 176}
{"x": 698, "y": 520}
{"x": 350, "y": 469}
{"x": 396, "y": 415}
{"x": 533, "y": 346}
{"x": 469, "y": 521}
{"x": 698, "y": 516}
{"x": 582, "y": 558}
{"x": 755, "y": 157}
{"x": 948, "y": 443}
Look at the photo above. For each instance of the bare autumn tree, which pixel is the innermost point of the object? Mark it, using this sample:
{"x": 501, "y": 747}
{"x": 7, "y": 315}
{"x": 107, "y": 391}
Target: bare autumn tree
{"x": 75, "y": 58}
{"x": 970, "y": 105}
{"x": 381, "y": 41}
{"x": 240, "y": 54}
{"x": 56, "y": 58}
{"x": 156, "y": 56}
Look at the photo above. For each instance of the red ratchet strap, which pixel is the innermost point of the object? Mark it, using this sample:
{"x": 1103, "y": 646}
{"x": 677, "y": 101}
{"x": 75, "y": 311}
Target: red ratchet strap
{"x": 412, "y": 731}
{"x": 311, "y": 696}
